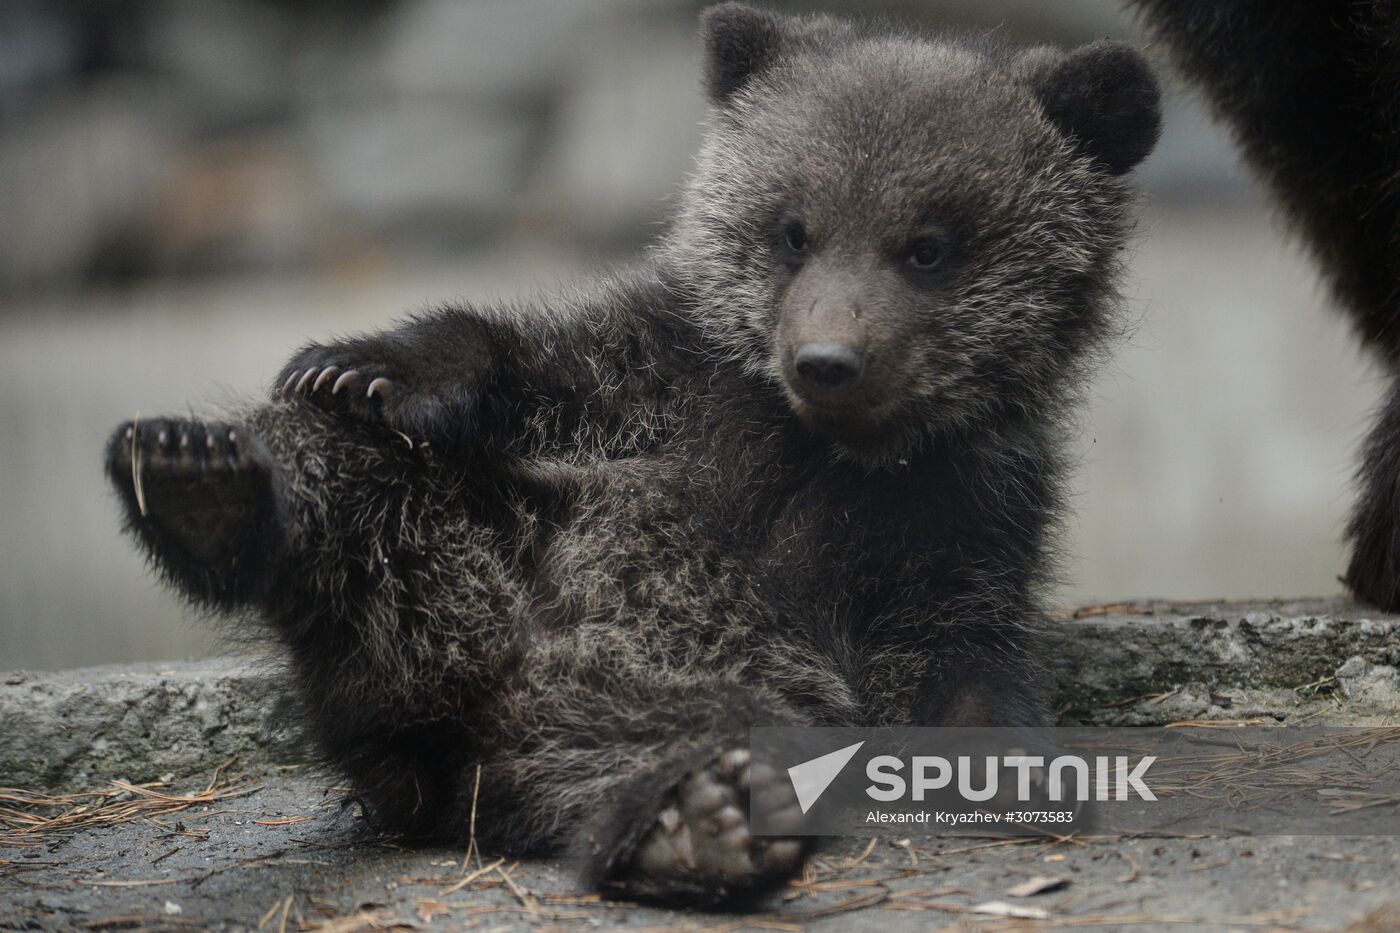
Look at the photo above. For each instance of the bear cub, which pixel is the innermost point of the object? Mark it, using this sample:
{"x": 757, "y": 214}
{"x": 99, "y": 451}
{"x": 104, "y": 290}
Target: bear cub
{"x": 800, "y": 465}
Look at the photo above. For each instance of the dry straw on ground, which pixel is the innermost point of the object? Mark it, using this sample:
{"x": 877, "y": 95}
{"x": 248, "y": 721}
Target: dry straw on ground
{"x": 31, "y": 818}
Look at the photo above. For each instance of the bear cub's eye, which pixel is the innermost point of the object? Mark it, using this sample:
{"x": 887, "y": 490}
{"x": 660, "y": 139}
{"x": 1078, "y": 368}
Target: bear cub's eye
{"x": 795, "y": 236}
{"x": 926, "y": 255}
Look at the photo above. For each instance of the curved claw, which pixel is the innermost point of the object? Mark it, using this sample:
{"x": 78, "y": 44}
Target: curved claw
{"x": 325, "y": 376}
{"x": 379, "y": 386}
{"x": 301, "y": 383}
{"x": 350, "y": 375}
{"x": 291, "y": 381}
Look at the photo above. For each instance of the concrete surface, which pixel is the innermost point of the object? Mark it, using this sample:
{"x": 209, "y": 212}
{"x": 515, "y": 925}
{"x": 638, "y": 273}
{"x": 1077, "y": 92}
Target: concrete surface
{"x": 1154, "y": 662}
{"x": 283, "y": 851}
{"x": 1129, "y": 664}
{"x": 76, "y": 728}
{"x": 219, "y": 868}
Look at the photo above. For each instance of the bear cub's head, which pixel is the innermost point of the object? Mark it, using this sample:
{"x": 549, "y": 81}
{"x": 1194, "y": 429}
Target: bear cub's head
{"x": 909, "y": 235}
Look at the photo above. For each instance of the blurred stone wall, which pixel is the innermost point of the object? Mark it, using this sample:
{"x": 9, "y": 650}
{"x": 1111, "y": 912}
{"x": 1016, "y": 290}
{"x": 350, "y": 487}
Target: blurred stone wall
{"x": 185, "y": 137}
{"x": 160, "y": 138}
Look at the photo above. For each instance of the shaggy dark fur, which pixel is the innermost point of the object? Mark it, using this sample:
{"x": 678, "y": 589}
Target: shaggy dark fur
{"x": 1312, "y": 91}
{"x": 797, "y": 468}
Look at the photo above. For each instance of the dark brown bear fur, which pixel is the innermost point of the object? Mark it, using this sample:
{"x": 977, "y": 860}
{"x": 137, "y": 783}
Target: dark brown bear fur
{"x": 1312, "y": 92}
{"x": 798, "y": 467}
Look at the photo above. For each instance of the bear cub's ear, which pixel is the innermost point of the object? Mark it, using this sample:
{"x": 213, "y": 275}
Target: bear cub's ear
{"x": 739, "y": 42}
{"x": 1104, "y": 97}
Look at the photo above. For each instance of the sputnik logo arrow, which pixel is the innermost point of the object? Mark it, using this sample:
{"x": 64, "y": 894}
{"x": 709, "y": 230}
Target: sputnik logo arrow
{"x": 811, "y": 778}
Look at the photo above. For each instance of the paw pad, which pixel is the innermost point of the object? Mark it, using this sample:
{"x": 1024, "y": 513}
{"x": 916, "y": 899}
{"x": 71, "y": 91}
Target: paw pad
{"x": 201, "y": 498}
{"x": 701, "y": 838}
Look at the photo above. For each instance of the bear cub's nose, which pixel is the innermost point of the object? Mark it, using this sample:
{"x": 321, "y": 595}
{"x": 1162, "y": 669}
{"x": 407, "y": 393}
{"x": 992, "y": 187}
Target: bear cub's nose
{"x": 827, "y": 365}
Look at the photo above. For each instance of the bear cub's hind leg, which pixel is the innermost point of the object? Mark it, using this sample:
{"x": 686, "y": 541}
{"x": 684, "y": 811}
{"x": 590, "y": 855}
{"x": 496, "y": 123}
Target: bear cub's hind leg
{"x": 202, "y": 498}
{"x": 699, "y": 847}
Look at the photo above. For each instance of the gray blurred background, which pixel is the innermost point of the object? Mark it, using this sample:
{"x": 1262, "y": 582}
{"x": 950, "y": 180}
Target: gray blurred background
{"x": 189, "y": 188}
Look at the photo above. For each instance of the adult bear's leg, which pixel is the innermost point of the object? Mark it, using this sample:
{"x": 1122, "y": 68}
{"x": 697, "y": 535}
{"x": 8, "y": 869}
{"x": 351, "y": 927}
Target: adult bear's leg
{"x": 1312, "y": 93}
{"x": 1374, "y": 527}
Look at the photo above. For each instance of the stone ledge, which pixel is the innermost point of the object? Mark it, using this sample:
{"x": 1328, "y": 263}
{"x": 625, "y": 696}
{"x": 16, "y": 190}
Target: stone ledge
{"x": 1130, "y": 664}
{"x": 82, "y": 727}
{"x": 1152, "y": 662}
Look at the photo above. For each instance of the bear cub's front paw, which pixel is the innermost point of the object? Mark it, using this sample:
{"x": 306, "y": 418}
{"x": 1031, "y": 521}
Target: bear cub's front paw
{"x": 333, "y": 376}
{"x": 370, "y": 384}
{"x": 700, "y": 847}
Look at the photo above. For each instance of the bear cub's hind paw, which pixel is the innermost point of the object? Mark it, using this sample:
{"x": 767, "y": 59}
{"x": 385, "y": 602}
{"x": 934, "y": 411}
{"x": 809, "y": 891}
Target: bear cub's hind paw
{"x": 700, "y": 848}
{"x": 201, "y": 497}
